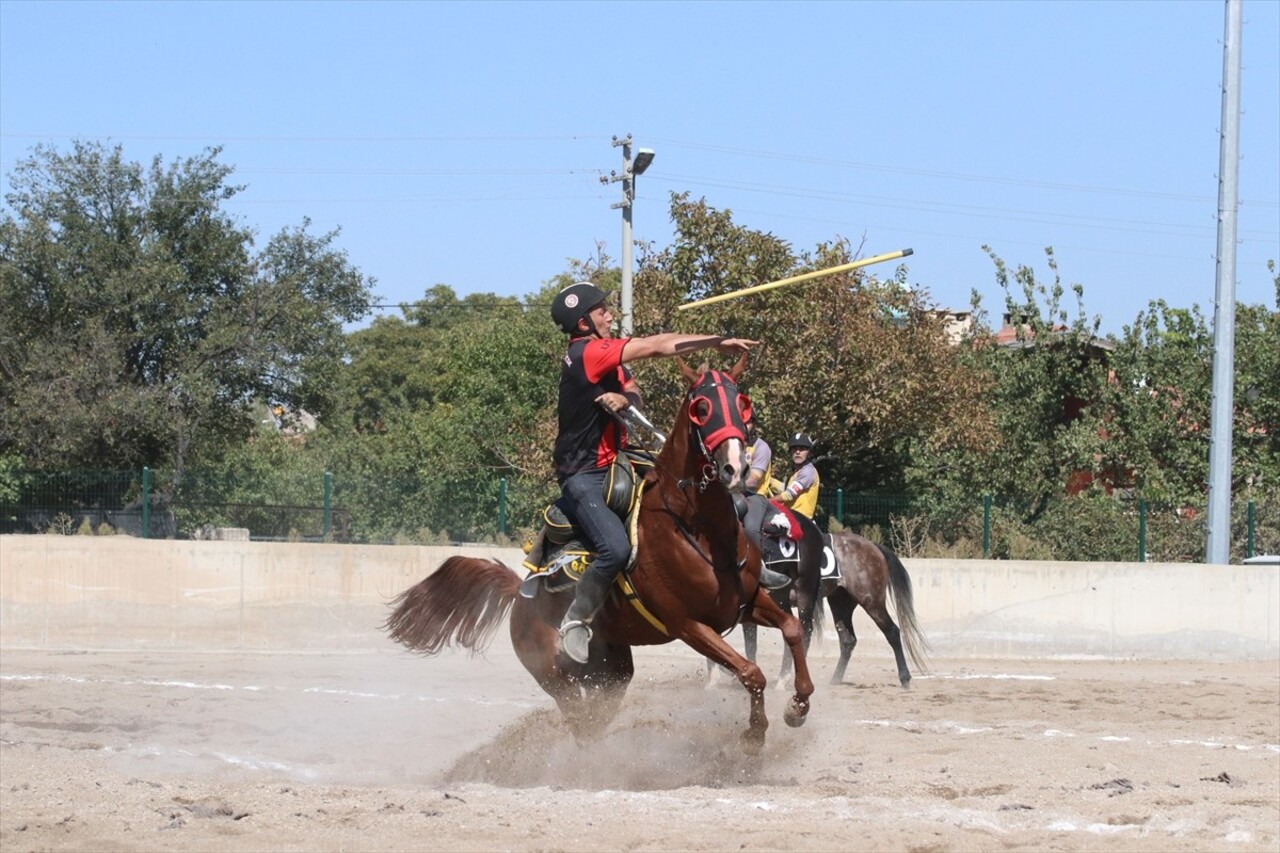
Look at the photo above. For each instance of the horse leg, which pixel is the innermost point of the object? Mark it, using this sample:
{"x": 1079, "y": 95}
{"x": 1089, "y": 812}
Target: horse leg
{"x": 783, "y": 599}
{"x": 842, "y": 606}
{"x": 748, "y": 643}
{"x": 768, "y": 613}
{"x": 608, "y": 675}
{"x": 536, "y": 642}
{"x": 702, "y": 639}
{"x": 806, "y": 607}
{"x": 880, "y": 615}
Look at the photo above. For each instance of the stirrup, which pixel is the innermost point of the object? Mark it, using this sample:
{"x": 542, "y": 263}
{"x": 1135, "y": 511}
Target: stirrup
{"x": 570, "y": 626}
{"x": 573, "y": 623}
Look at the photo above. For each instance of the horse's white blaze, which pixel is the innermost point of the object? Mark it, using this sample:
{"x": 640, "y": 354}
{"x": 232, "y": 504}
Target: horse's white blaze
{"x": 731, "y": 462}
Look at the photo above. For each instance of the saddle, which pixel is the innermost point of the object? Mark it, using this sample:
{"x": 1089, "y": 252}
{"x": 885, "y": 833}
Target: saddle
{"x": 774, "y": 530}
{"x": 558, "y": 555}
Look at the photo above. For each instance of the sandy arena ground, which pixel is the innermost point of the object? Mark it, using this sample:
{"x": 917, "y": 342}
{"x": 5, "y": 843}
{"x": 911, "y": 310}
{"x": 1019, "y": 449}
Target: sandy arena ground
{"x": 387, "y": 751}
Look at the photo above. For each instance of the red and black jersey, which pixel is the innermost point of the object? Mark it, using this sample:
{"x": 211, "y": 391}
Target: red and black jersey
{"x": 589, "y": 437}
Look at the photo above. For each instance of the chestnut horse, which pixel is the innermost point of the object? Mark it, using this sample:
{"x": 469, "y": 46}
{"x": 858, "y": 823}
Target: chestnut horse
{"x": 694, "y": 576}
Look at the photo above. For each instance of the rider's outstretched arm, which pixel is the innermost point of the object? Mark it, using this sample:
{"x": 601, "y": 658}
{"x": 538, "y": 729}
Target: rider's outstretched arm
{"x": 673, "y": 343}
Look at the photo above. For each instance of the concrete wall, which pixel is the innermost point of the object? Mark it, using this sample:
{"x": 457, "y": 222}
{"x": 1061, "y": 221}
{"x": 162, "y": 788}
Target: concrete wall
{"x": 1144, "y": 610}
{"x": 80, "y": 592}
{"x": 112, "y": 592}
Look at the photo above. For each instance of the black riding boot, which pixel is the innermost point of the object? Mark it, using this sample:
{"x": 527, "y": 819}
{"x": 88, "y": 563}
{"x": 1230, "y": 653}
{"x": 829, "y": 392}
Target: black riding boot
{"x": 575, "y": 634}
{"x": 769, "y": 579}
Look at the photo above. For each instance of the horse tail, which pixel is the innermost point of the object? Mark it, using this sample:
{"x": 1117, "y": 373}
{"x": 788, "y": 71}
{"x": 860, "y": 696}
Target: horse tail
{"x": 810, "y": 570}
{"x": 904, "y": 602}
{"x": 461, "y": 602}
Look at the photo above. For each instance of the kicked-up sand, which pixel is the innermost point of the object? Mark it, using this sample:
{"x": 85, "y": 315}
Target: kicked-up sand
{"x": 162, "y": 751}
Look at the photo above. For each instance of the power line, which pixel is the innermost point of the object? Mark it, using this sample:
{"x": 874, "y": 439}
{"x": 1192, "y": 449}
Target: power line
{"x": 934, "y": 173}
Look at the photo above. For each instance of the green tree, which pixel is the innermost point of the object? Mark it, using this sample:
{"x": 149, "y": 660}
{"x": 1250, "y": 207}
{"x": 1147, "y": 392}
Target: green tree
{"x": 1044, "y": 375}
{"x": 863, "y": 365}
{"x": 1046, "y": 381}
{"x": 1256, "y": 440}
{"x": 443, "y": 406}
{"x": 137, "y": 323}
{"x": 1158, "y": 421}
{"x": 1157, "y": 404}
{"x": 272, "y": 484}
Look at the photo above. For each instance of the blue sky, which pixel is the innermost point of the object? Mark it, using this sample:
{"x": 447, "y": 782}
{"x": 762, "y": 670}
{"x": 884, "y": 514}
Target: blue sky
{"x": 462, "y": 143}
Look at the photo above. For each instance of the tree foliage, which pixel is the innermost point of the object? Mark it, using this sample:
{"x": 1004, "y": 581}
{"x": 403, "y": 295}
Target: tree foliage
{"x": 859, "y": 363}
{"x": 141, "y": 325}
{"x": 138, "y": 324}
{"x": 444, "y": 405}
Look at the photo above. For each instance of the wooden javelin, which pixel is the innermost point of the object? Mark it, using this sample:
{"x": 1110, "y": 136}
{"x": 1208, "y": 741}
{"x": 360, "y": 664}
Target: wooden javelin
{"x": 795, "y": 279}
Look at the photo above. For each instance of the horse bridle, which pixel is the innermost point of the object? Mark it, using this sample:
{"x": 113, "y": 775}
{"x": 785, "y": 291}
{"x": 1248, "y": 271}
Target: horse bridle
{"x": 704, "y": 413}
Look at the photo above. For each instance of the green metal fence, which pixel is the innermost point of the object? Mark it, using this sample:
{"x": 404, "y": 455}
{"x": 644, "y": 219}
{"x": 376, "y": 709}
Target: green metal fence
{"x": 329, "y": 508}
{"x": 128, "y": 502}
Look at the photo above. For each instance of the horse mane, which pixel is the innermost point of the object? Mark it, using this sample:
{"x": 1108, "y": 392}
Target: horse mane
{"x": 675, "y": 453}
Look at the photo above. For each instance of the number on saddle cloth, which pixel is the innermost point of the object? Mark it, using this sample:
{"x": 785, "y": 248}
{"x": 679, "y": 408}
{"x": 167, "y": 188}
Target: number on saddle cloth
{"x": 830, "y": 563}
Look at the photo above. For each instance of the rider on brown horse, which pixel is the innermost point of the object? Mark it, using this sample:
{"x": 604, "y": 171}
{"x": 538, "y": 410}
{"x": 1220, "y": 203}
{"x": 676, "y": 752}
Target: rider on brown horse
{"x": 595, "y": 385}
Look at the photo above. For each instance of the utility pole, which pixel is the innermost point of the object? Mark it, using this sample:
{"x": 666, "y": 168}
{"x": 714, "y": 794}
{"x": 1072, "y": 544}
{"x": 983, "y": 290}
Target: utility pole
{"x": 629, "y": 171}
{"x": 1221, "y": 415}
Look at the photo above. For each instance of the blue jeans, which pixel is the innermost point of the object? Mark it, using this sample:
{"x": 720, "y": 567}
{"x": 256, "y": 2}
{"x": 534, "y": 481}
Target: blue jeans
{"x": 582, "y": 499}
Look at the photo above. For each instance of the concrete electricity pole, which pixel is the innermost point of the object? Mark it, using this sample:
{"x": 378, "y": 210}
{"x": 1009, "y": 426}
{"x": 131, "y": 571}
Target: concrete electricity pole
{"x": 629, "y": 170}
{"x": 1221, "y": 413}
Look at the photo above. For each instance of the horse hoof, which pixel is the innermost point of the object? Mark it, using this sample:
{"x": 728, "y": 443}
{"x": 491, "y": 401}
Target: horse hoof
{"x": 753, "y": 741}
{"x": 796, "y": 714}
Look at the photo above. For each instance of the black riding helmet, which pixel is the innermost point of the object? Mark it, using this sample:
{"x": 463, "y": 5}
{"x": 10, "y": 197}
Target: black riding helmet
{"x": 573, "y": 303}
{"x": 800, "y": 439}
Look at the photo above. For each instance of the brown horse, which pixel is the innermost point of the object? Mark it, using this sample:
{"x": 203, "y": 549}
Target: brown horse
{"x": 695, "y": 575}
{"x": 868, "y": 573}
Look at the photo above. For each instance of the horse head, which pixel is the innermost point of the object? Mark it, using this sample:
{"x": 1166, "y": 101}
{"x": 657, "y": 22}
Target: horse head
{"x": 717, "y": 413}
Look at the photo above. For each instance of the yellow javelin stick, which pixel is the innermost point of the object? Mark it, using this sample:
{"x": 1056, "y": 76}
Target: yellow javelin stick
{"x": 782, "y": 282}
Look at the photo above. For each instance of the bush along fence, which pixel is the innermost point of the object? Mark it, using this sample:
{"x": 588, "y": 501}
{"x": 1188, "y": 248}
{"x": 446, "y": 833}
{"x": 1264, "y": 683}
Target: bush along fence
{"x": 323, "y": 507}
{"x": 1082, "y": 528}
{"x": 128, "y": 502}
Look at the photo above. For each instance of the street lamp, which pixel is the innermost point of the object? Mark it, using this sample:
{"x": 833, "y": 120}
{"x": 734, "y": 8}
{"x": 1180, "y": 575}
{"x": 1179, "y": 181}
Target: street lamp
{"x": 629, "y": 170}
